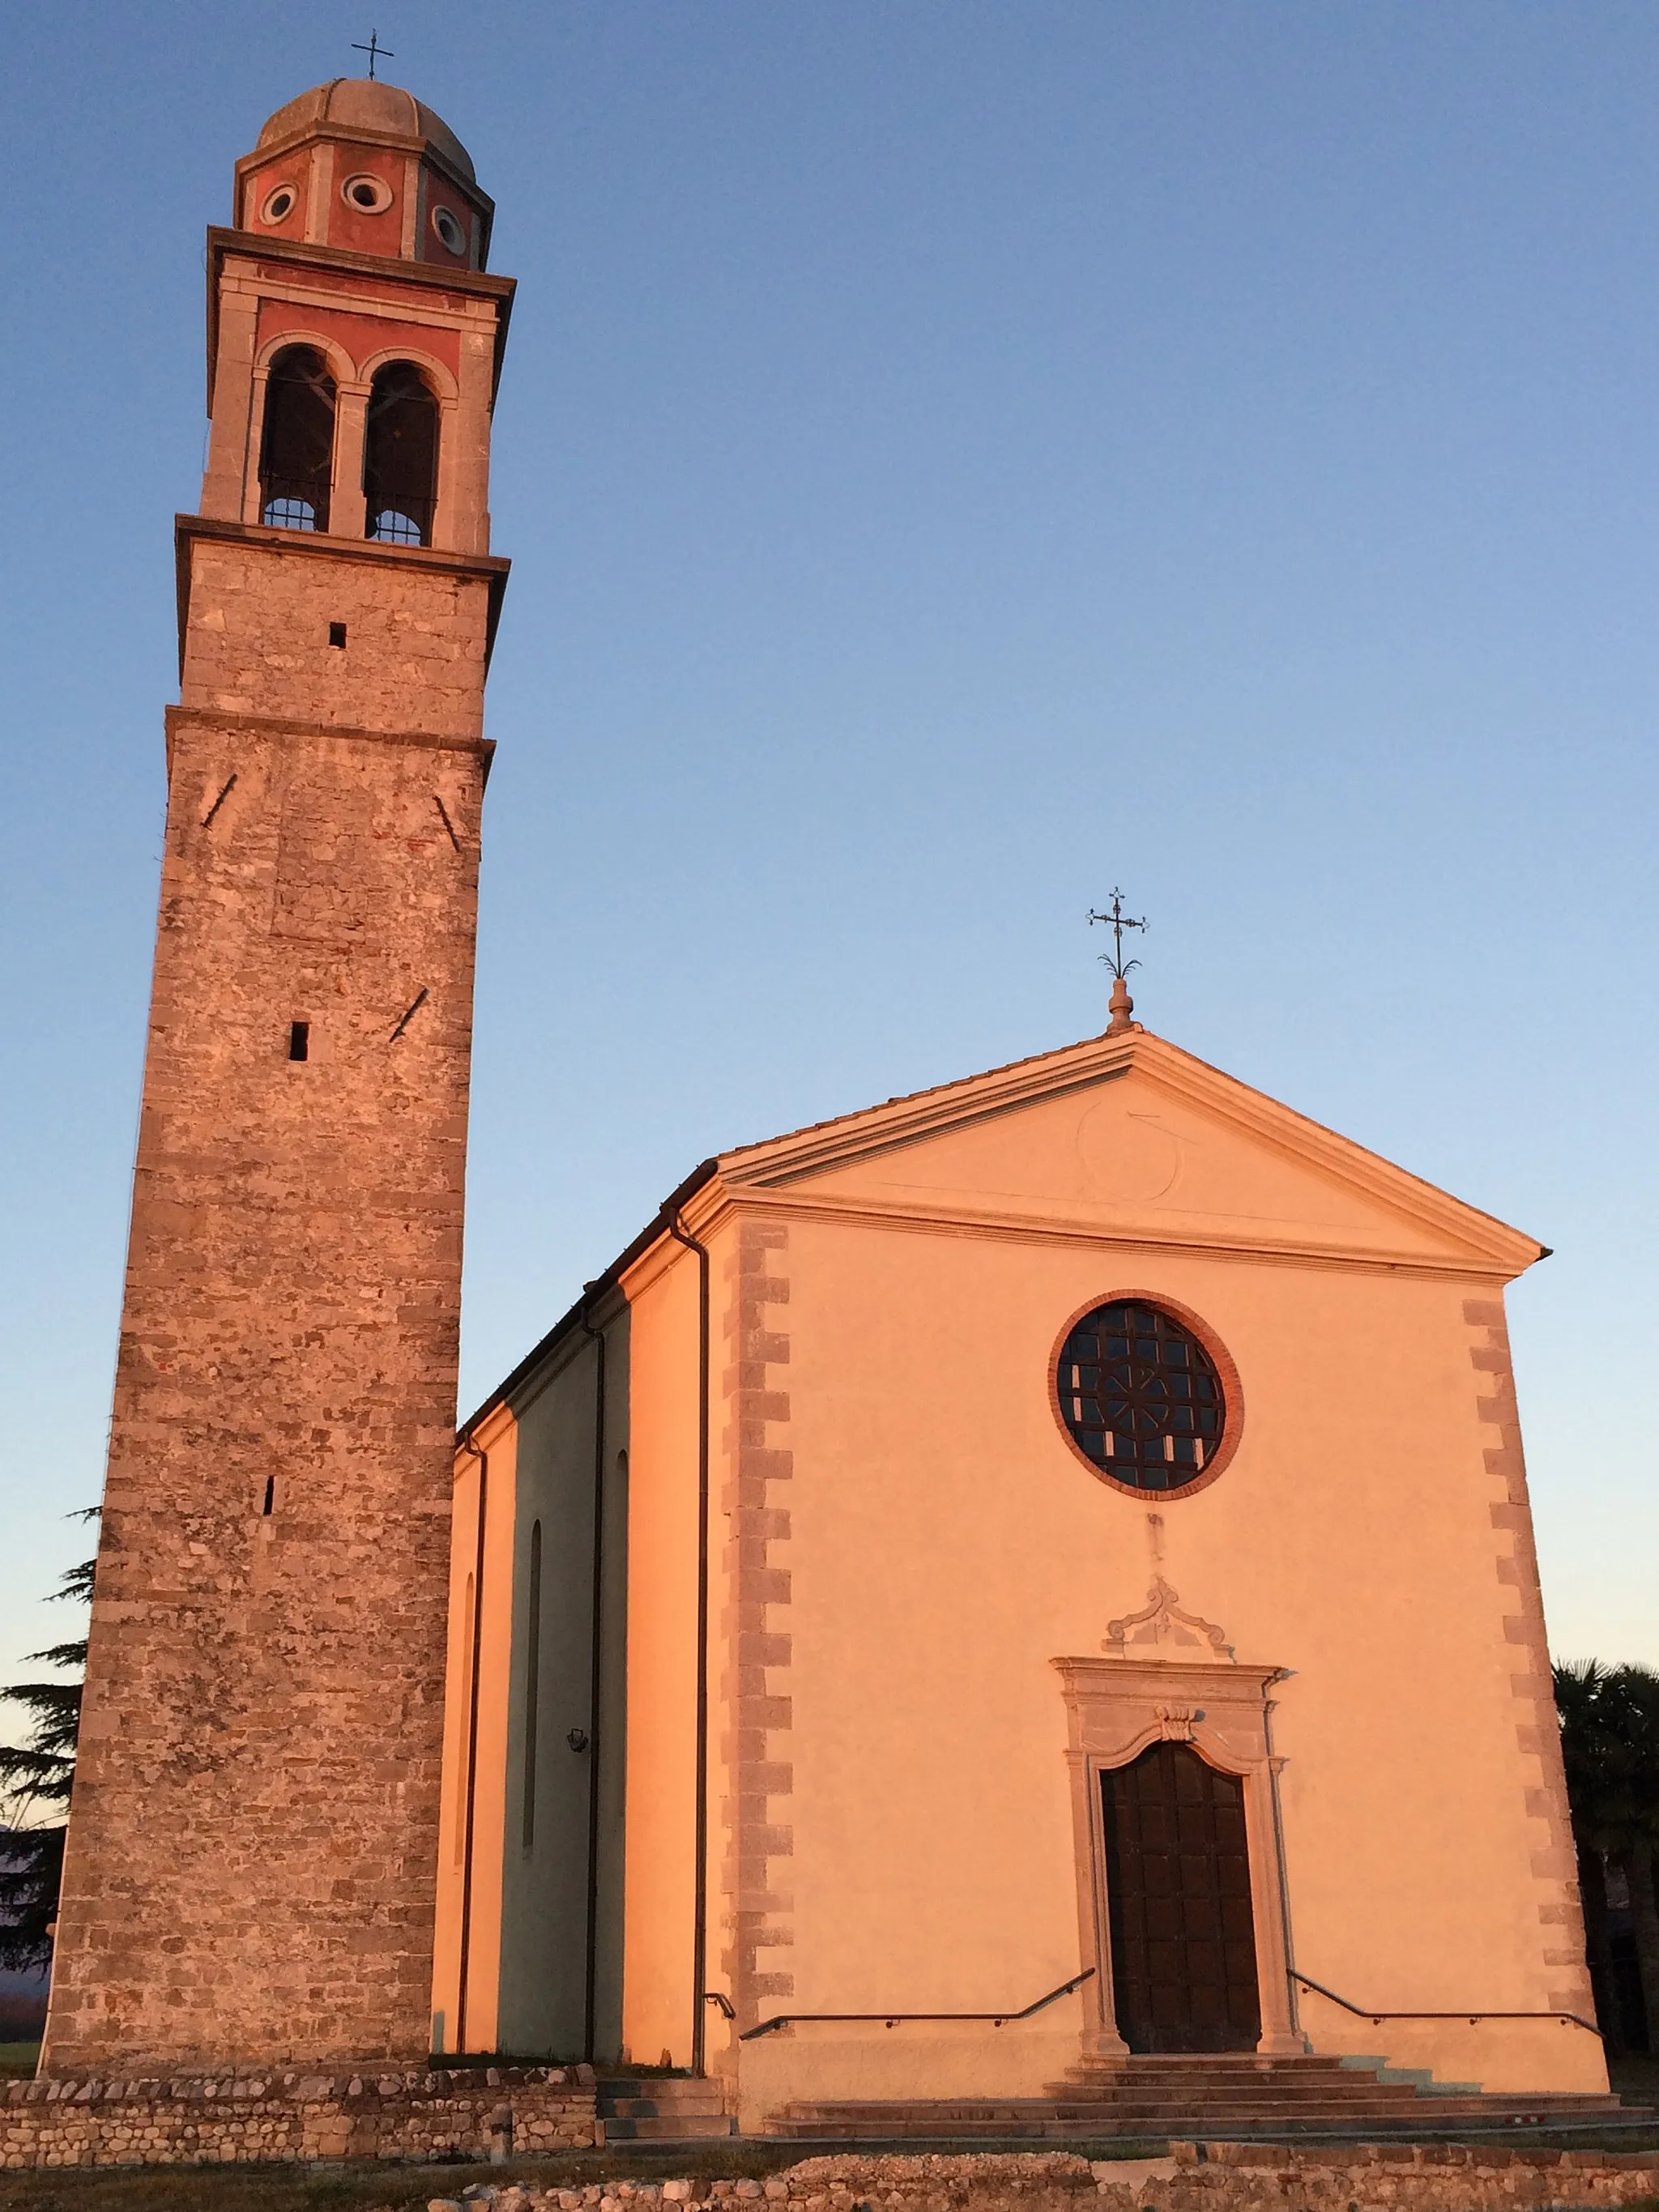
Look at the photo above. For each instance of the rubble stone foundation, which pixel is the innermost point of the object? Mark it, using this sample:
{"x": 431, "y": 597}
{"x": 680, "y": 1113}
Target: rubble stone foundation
{"x": 292, "y": 2115}
{"x": 1195, "y": 2177}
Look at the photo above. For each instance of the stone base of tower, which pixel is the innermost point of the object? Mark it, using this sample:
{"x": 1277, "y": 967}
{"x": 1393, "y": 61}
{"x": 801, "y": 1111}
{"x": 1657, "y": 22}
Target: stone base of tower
{"x": 257, "y": 2117}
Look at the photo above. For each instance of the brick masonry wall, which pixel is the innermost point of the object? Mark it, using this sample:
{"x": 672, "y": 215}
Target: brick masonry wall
{"x": 252, "y": 1846}
{"x": 227, "y": 2120}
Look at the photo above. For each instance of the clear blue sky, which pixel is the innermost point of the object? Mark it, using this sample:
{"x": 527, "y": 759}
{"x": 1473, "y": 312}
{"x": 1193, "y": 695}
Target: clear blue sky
{"x": 957, "y": 455}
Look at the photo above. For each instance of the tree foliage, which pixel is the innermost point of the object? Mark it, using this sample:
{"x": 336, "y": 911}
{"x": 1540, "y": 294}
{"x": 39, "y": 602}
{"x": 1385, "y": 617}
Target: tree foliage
{"x": 36, "y": 1777}
{"x": 1610, "y": 1747}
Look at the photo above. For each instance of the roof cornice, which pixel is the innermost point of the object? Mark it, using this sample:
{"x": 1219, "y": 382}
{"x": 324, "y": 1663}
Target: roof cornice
{"x": 901, "y": 1122}
{"x": 296, "y": 254}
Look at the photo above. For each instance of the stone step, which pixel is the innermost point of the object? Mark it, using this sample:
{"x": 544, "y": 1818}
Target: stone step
{"x": 1153, "y": 2107}
{"x": 667, "y": 2086}
{"x": 645, "y": 2102}
{"x": 1181, "y": 2120}
{"x": 1219, "y": 2061}
{"x": 666, "y": 2127}
{"x": 1215, "y": 2114}
{"x": 660, "y": 2108}
{"x": 1210, "y": 2129}
{"x": 1140, "y": 2104}
{"x": 1228, "y": 2066}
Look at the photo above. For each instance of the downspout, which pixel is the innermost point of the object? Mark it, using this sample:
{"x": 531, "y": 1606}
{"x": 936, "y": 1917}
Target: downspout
{"x": 483, "y": 1458}
{"x": 1282, "y": 1864}
{"x": 590, "y": 2015}
{"x": 700, "y": 1913}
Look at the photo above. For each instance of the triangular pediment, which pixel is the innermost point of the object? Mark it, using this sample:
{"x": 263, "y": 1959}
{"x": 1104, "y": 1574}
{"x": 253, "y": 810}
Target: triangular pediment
{"x": 1128, "y": 1137}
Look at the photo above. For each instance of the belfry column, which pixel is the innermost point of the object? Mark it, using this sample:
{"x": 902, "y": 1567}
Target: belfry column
{"x": 253, "y": 1840}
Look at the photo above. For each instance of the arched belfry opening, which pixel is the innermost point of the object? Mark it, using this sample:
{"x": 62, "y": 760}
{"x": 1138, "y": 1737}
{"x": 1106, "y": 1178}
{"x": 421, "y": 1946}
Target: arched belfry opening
{"x": 296, "y": 452}
{"x": 400, "y": 456}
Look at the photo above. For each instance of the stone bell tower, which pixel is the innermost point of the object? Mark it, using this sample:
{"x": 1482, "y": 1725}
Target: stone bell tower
{"x": 253, "y": 1841}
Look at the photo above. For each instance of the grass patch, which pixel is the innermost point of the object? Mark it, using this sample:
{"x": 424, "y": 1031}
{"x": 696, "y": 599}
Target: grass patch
{"x": 372, "y": 2185}
{"x": 18, "y": 2061}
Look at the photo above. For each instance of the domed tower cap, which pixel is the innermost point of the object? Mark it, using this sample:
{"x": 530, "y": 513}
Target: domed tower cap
{"x": 347, "y": 104}
{"x": 365, "y": 167}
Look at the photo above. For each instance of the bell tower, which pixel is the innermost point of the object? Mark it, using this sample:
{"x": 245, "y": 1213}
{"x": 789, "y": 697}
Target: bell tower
{"x": 253, "y": 1842}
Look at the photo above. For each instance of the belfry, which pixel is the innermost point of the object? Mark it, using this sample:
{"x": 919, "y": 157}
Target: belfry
{"x": 251, "y": 1865}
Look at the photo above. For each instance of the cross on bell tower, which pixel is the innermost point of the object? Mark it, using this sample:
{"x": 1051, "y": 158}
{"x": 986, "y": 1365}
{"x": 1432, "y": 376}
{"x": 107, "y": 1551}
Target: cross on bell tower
{"x": 374, "y": 50}
{"x": 253, "y": 1851}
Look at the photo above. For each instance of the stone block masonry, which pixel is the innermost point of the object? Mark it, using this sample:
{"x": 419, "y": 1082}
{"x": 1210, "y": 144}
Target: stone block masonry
{"x": 540, "y": 2111}
{"x": 249, "y": 2118}
{"x": 1233, "y": 2177}
{"x": 250, "y": 1871}
{"x": 252, "y": 1859}
{"x": 262, "y": 614}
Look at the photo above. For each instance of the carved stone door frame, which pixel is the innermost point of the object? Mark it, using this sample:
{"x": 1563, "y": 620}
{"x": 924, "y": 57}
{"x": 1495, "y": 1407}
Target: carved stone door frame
{"x": 1114, "y": 1708}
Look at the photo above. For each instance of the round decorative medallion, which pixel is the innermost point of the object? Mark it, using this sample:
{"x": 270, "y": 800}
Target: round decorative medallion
{"x": 1147, "y": 1400}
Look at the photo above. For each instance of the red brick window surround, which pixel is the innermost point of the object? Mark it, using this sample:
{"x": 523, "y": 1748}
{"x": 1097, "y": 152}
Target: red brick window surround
{"x": 1145, "y": 1396}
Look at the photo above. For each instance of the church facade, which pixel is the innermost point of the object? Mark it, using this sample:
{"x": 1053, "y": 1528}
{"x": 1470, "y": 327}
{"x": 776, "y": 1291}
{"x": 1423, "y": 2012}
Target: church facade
{"x": 1030, "y": 1577}
{"x": 1034, "y": 1574}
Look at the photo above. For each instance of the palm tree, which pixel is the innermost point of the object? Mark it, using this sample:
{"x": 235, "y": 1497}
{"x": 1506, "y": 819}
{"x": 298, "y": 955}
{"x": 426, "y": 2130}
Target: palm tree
{"x": 1610, "y": 1745}
{"x": 38, "y": 1776}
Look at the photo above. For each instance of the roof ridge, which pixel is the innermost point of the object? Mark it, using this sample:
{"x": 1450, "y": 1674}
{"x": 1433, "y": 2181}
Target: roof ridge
{"x": 908, "y": 1098}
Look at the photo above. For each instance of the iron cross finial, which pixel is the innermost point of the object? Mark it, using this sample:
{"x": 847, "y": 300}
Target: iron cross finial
{"x": 1122, "y": 1005}
{"x": 374, "y": 50}
{"x": 1117, "y": 921}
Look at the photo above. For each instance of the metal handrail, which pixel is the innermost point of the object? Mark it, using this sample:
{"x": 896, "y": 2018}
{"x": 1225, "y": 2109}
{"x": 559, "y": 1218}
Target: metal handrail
{"x": 892, "y": 2019}
{"x": 1365, "y": 2012}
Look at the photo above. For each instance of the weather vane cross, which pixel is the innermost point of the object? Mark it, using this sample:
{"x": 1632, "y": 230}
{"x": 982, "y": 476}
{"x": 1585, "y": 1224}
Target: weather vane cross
{"x": 374, "y": 50}
{"x": 1122, "y": 1005}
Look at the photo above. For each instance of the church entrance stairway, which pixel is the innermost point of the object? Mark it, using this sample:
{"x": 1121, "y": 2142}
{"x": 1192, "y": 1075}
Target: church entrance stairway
{"x": 659, "y": 2108}
{"x": 1214, "y": 2095}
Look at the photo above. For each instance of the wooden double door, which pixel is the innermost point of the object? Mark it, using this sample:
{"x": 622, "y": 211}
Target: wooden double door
{"x": 1178, "y": 1905}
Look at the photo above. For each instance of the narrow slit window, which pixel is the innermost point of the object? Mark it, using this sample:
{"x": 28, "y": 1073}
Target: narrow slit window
{"x": 299, "y": 1039}
{"x": 296, "y": 452}
{"x": 336, "y": 632}
{"x": 400, "y": 456}
{"x": 270, "y": 1506}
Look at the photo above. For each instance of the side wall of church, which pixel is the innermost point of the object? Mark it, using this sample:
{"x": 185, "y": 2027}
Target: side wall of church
{"x": 561, "y": 1746}
{"x": 660, "y": 1910}
{"x": 485, "y": 1633}
{"x": 947, "y": 1545}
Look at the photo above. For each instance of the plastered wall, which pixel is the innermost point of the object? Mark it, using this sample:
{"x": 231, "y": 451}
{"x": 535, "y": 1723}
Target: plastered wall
{"x": 550, "y": 1833}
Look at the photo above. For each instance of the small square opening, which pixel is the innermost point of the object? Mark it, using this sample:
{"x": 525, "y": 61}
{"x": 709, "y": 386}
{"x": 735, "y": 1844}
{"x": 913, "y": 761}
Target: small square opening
{"x": 336, "y": 632}
{"x": 299, "y": 1039}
